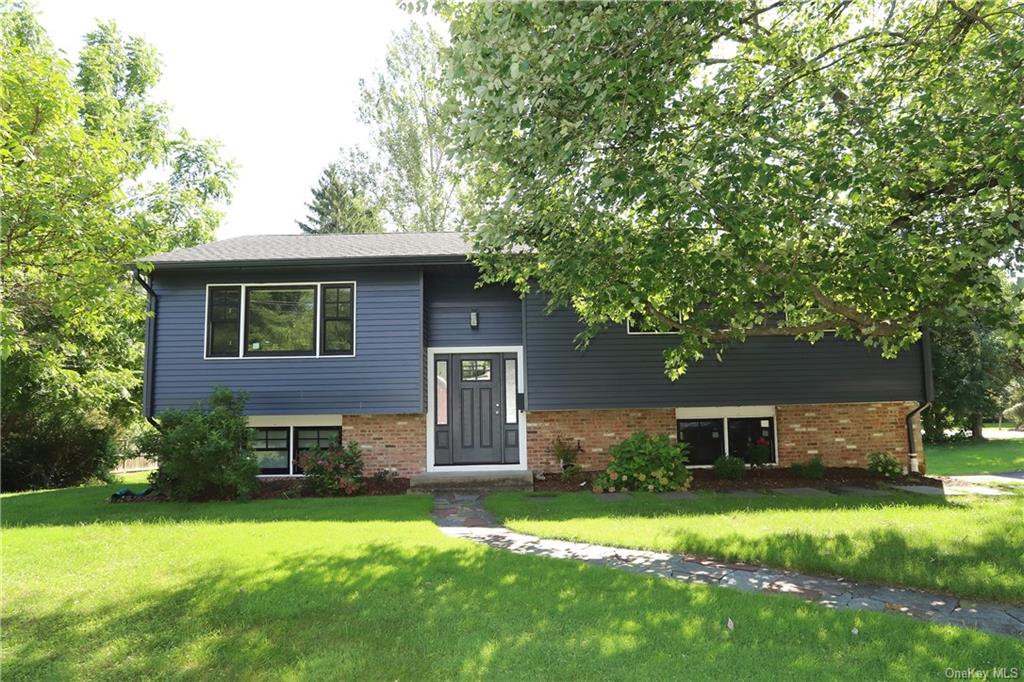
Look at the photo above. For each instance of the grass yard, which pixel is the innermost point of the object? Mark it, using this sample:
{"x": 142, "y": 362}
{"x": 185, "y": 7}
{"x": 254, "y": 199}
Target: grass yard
{"x": 973, "y": 549}
{"x": 369, "y": 589}
{"x": 988, "y": 457}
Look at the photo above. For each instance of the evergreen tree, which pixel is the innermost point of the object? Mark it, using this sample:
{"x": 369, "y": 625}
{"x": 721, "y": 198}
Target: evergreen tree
{"x": 345, "y": 198}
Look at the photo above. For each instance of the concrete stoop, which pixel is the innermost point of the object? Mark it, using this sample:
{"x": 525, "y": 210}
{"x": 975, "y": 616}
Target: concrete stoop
{"x": 458, "y": 482}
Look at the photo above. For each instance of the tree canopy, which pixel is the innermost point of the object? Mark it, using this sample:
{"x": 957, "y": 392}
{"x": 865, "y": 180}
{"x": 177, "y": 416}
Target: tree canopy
{"x": 729, "y": 170}
{"x": 92, "y": 180}
{"x": 409, "y": 180}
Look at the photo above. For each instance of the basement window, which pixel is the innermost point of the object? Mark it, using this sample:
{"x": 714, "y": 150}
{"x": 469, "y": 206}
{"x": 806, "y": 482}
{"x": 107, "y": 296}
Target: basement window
{"x": 270, "y": 445}
{"x": 735, "y": 432}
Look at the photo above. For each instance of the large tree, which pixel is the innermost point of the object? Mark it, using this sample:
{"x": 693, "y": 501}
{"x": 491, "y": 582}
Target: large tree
{"x": 92, "y": 180}
{"x": 346, "y": 198}
{"x": 728, "y": 170}
{"x": 402, "y": 105}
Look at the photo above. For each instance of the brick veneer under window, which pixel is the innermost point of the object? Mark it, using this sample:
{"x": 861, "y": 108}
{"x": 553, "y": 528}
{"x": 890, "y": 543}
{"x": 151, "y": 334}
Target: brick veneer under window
{"x": 842, "y": 434}
{"x": 389, "y": 440}
{"x": 595, "y": 431}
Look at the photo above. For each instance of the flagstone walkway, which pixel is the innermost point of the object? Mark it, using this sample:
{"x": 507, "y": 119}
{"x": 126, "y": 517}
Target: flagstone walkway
{"x": 464, "y": 516}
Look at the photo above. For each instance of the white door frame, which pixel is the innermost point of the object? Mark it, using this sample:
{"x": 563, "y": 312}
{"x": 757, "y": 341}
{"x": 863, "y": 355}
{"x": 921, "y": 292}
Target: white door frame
{"x": 431, "y": 398}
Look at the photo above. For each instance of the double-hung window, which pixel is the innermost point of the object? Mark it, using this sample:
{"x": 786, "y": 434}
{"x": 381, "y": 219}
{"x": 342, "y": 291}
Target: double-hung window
{"x": 280, "y": 320}
{"x": 336, "y": 336}
{"x": 312, "y": 438}
{"x": 223, "y": 313}
{"x": 270, "y": 445}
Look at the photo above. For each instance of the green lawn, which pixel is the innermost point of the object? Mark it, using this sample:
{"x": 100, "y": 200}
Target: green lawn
{"x": 973, "y": 549}
{"x": 988, "y": 457}
{"x": 368, "y": 589}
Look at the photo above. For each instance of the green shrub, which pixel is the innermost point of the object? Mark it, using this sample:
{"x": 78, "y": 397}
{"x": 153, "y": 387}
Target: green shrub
{"x": 203, "y": 453}
{"x": 336, "y": 470}
{"x": 760, "y": 453}
{"x": 885, "y": 465}
{"x": 566, "y": 452}
{"x": 645, "y": 462}
{"x": 54, "y": 448}
{"x": 729, "y": 468}
{"x": 812, "y": 470}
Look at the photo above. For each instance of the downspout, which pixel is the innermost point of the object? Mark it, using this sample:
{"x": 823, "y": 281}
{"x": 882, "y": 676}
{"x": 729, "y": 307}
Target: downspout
{"x": 929, "y": 395}
{"x": 149, "y": 364}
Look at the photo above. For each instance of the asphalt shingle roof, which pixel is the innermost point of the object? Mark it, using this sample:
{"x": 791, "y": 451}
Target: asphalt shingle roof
{"x": 326, "y": 247}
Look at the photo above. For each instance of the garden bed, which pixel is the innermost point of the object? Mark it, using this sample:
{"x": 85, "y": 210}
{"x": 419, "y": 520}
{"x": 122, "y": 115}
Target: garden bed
{"x": 755, "y": 479}
{"x": 276, "y": 488}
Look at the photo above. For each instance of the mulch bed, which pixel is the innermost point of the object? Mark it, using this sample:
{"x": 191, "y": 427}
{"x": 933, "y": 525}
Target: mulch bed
{"x": 755, "y": 479}
{"x": 278, "y": 488}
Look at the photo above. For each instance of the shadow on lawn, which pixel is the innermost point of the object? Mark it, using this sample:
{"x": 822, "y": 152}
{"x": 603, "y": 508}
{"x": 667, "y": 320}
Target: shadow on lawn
{"x": 985, "y": 563}
{"x": 566, "y": 506}
{"x": 88, "y": 504}
{"x": 381, "y": 612}
{"x": 986, "y": 566}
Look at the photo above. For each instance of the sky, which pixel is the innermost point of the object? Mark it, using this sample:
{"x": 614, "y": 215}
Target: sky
{"x": 275, "y": 83}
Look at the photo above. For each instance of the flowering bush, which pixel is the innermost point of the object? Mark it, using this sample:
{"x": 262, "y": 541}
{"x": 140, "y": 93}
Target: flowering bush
{"x": 336, "y": 470}
{"x": 645, "y": 462}
{"x": 885, "y": 465}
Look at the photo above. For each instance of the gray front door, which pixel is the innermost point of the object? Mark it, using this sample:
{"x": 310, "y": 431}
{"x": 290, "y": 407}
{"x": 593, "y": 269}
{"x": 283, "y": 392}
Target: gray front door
{"x": 475, "y": 416}
{"x": 476, "y": 409}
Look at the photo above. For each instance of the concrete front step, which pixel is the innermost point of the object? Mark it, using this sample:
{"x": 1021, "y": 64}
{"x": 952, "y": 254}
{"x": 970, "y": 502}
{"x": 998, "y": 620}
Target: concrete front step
{"x": 442, "y": 482}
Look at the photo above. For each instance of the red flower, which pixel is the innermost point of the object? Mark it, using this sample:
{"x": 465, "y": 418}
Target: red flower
{"x": 761, "y": 441}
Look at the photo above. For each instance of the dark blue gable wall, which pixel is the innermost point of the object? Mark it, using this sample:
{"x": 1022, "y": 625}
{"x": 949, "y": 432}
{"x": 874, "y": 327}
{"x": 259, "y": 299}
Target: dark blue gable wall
{"x": 620, "y": 370}
{"x": 384, "y": 376}
{"x": 449, "y": 297}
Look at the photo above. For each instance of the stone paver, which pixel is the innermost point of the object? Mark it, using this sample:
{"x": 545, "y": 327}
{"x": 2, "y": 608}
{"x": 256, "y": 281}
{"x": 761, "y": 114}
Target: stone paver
{"x": 1007, "y": 478}
{"x": 613, "y": 497}
{"x": 921, "y": 489}
{"x": 464, "y": 516}
{"x": 858, "y": 490}
{"x": 952, "y": 490}
{"x": 676, "y": 495}
{"x": 803, "y": 492}
{"x": 743, "y": 493}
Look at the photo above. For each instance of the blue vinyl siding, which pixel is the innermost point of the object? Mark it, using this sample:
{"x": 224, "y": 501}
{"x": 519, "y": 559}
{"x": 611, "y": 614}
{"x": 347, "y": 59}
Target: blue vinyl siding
{"x": 450, "y": 295}
{"x": 385, "y": 375}
{"x": 620, "y": 370}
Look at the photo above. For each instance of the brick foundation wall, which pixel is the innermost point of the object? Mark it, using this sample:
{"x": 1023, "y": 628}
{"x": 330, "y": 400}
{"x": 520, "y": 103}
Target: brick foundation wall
{"x": 595, "y": 431}
{"x": 844, "y": 434}
{"x": 389, "y": 440}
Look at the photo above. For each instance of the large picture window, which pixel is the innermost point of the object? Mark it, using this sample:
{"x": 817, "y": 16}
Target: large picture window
{"x": 280, "y": 320}
{"x": 708, "y": 437}
{"x": 337, "y": 333}
{"x": 223, "y": 312}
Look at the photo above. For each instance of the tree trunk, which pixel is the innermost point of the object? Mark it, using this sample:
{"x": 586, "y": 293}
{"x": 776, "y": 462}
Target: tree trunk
{"x": 976, "y": 426}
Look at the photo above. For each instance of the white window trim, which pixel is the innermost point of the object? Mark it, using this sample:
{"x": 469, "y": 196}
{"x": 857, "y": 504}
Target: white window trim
{"x": 629, "y": 328}
{"x": 736, "y": 412}
{"x": 318, "y": 288}
{"x": 292, "y": 422}
{"x": 520, "y": 383}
